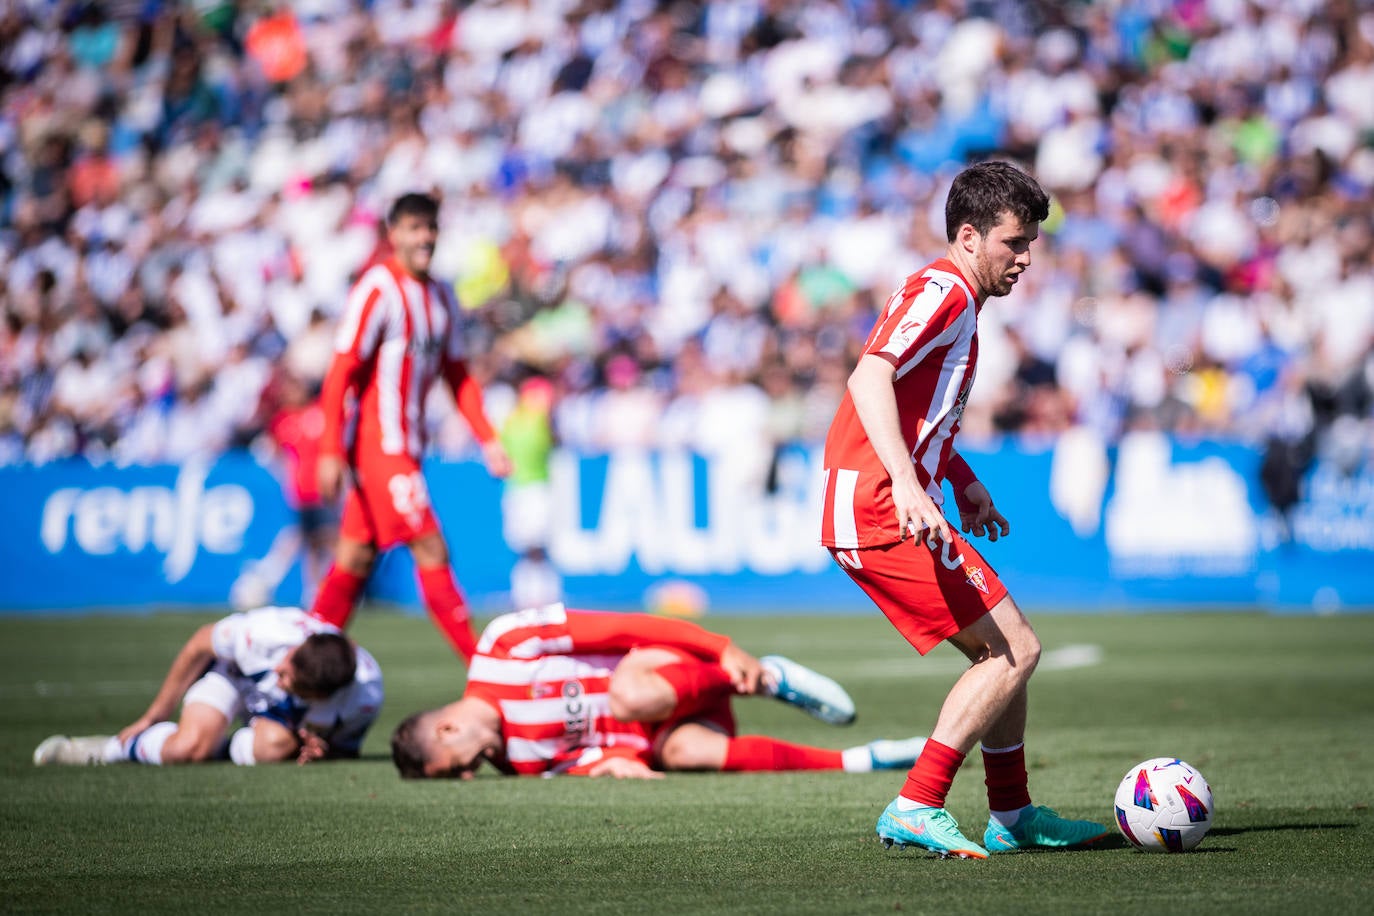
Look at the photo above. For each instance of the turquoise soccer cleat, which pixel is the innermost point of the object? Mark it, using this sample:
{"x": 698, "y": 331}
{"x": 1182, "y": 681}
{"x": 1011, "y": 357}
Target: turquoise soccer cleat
{"x": 1041, "y": 828}
{"x": 888, "y": 754}
{"x": 933, "y": 829}
{"x": 806, "y": 689}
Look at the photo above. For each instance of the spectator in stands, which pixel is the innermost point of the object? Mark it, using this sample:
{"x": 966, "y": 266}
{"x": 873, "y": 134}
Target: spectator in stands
{"x": 660, "y": 179}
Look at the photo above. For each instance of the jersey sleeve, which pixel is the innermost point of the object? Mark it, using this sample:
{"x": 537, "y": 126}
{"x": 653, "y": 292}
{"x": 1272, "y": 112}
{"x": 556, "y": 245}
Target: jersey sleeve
{"x": 960, "y": 477}
{"x": 360, "y": 332}
{"x": 924, "y": 313}
{"x": 362, "y": 324}
{"x": 467, "y": 394}
{"x": 600, "y": 631}
{"x": 227, "y": 635}
{"x": 554, "y": 630}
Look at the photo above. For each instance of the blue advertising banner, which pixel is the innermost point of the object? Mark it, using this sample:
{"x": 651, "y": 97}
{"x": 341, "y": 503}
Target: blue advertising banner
{"x": 1148, "y": 524}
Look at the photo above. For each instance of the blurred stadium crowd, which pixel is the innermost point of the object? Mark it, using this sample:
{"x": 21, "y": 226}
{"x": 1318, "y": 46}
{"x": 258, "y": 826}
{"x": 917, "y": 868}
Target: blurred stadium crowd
{"x": 684, "y": 214}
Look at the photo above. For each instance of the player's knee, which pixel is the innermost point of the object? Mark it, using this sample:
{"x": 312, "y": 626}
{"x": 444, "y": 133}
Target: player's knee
{"x": 355, "y": 557}
{"x": 429, "y": 550}
{"x": 189, "y": 746}
{"x": 273, "y": 743}
{"x": 627, "y": 700}
{"x": 682, "y": 754}
{"x": 637, "y": 696}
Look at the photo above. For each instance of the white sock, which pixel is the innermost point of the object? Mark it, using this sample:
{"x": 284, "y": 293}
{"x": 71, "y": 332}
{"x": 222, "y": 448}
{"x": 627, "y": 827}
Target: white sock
{"x": 1003, "y": 750}
{"x": 146, "y": 746}
{"x": 241, "y": 747}
{"x": 857, "y": 759}
{"x": 906, "y": 804}
{"x": 1009, "y": 818}
{"x": 113, "y": 751}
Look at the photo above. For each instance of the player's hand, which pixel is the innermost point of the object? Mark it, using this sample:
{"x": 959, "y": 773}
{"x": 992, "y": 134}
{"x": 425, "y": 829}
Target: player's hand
{"x": 313, "y": 747}
{"x": 917, "y": 514}
{"x": 745, "y": 671}
{"x": 623, "y": 768}
{"x": 330, "y": 476}
{"x": 978, "y": 516}
{"x": 138, "y": 727}
{"x": 498, "y": 462}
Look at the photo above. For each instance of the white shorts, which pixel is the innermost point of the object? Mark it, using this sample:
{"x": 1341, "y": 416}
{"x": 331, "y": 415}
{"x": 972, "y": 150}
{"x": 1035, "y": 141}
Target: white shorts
{"x": 217, "y": 690}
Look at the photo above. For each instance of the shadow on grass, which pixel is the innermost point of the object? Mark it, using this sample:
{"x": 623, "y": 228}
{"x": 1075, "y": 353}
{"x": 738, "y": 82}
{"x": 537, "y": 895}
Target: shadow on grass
{"x": 1118, "y": 842}
{"x": 374, "y": 756}
{"x": 1269, "y": 828}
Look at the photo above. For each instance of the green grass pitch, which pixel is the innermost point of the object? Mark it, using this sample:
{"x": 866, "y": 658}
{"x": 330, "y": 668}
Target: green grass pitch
{"x": 1277, "y": 712}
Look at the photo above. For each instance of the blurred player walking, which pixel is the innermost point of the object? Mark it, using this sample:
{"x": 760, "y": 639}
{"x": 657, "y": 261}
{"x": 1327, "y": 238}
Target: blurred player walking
{"x": 889, "y": 449}
{"x": 399, "y": 333}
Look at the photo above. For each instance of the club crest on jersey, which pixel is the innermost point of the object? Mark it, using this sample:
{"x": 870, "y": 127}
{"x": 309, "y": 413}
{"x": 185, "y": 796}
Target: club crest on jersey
{"x": 974, "y": 576}
{"x": 575, "y": 711}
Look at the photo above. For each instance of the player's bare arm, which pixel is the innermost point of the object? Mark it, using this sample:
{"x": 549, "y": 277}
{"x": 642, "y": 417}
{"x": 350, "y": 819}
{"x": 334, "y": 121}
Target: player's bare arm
{"x": 330, "y": 474}
{"x": 870, "y": 386}
{"x": 497, "y": 461}
{"x": 186, "y": 669}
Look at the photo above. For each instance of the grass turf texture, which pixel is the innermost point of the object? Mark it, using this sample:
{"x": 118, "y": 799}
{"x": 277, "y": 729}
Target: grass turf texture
{"x": 1278, "y": 713}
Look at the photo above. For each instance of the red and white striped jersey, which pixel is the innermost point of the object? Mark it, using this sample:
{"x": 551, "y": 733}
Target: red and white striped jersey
{"x": 397, "y": 334}
{"x": 929, "y": 332}
{"x": 548, "y": 671}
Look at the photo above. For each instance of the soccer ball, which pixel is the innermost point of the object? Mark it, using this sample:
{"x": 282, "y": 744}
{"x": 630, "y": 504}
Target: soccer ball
{"x": 1164, "y": 805}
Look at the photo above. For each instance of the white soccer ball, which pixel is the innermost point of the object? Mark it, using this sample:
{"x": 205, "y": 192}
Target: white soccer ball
{"x": 1164, "y": 805}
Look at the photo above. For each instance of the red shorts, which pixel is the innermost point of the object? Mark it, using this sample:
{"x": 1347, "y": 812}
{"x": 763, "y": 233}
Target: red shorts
{"x": 929, "y": 594}
{"x": 389, "y": 504}
{"x": 720, "y": 714}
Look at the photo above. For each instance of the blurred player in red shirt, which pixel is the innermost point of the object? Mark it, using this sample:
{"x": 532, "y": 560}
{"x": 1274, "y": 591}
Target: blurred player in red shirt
{"x": 398, "y": 334}
{"x": 626, "y": 695}
{"x": 297, "y": 428}
{"x": 889, "y": 449}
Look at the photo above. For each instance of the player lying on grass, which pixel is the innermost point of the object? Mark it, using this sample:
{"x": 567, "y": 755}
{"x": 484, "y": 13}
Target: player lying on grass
{"x": 304, "y": 692}
{"x": 625, "y": 695}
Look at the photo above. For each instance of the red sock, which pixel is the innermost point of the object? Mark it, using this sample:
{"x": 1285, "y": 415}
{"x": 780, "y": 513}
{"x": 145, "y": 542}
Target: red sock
{"x": 447, "y": 609}
{"x": 698, "y": 685}
{"x": 338, "y": 594}
{"x": 929, "y": 780}
{"x": 1006, "y": 779}
{"x": 757, "y": 753}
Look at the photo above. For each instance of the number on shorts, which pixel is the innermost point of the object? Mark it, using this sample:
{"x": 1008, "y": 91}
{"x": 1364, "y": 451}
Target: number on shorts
{"x": 409, "y": 494}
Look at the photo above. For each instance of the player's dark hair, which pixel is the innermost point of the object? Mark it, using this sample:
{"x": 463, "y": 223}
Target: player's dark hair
{"x": 982, "y": 193}
{"x": 421, "y": 205}
{"x": 408, "y": 748}
{"x": 323, "y": 664}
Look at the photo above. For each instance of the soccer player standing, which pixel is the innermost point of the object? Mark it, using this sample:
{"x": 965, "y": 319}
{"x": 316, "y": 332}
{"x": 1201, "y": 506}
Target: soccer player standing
{"x": 890, "y": 446}
{"x": 399, "y": 332}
